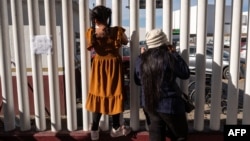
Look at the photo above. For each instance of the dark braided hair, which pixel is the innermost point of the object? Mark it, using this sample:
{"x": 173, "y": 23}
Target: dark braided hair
{"x": 153, "y": 68}
{"x": 103, "y": 15}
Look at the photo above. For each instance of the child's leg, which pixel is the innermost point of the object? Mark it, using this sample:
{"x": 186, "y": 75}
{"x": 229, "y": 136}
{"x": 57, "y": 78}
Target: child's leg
{"x": 96, "y": 120}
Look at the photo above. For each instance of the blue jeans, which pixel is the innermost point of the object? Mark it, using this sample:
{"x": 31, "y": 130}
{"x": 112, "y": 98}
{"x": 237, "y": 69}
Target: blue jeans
{"x": 173, "y": 126}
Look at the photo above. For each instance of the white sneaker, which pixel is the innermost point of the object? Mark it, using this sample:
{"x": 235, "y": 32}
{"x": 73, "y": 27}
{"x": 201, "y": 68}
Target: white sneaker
{"x": 126, "y": 130}
{"x": 121, "y": 131}
{"x": 94, "y": 135}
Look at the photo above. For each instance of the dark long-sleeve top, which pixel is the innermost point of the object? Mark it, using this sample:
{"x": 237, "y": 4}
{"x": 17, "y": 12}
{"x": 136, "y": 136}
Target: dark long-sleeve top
{"x": 170, "y": 102}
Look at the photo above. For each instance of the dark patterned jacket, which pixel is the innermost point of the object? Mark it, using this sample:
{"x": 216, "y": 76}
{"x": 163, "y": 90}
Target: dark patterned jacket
{"x": 170, "y": 102}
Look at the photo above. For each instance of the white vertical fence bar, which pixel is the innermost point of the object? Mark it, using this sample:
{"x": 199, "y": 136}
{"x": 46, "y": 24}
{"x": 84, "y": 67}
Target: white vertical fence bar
{"x": 104, "y": 123}
{"x": 5, "y": 70}
{"x": 68, "y": 45}
{"x": 184, "y": 37}
{"x": 85, "y": 58}
{"x": 21, "y": 74}
{"x": 116, "y": 12}
{"x": 150, "y": 15}
{"x": 215, "y": 110}
{"x": 36, "y": 61}
{"x": 100, "y": 2}
{"x": 200, "y": 63}
{"x": 233, "y": 81}
{"x": 246, "y": 102}
{"x": 134, "y": 51}
{"x": 50, "y": 23}
{"x": 117, "y": 21}
{"x": 167, "y": 11}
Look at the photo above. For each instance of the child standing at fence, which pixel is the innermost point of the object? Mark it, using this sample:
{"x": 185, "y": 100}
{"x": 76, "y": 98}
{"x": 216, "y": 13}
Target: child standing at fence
{"x": 106, "y": 87}
{"x": 160, "y": 66}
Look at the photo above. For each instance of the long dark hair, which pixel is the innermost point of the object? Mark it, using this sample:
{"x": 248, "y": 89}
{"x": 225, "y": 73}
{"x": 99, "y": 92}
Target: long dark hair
{"x": 103, "y": 15}
{"x": 155, "y": 63}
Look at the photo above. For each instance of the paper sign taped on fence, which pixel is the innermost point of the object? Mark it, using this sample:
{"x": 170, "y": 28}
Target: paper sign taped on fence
{"x": 41, "y": 44}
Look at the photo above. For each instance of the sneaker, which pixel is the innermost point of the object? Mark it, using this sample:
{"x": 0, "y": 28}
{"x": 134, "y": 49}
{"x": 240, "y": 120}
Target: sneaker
{"x": 126, "y": 130}
{"x": 94, "y": 135}
{"x": 121, "y": 131}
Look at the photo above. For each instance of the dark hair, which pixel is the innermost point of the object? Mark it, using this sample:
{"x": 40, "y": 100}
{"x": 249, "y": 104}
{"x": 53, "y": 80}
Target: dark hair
{"x": 155, "y": 63}
{"x": 103, "y": 15}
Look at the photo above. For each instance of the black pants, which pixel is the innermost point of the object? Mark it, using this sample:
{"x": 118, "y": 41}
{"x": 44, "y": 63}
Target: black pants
{"x": 97, "y": 117}
{"x": 176, "y": 125}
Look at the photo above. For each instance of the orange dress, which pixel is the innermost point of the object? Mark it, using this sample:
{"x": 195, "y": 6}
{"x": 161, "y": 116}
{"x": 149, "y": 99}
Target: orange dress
{"x": 106, "y": 83}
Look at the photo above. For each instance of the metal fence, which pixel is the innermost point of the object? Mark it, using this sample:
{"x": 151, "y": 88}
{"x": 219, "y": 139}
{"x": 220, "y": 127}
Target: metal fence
{"x": 12, "y": 43}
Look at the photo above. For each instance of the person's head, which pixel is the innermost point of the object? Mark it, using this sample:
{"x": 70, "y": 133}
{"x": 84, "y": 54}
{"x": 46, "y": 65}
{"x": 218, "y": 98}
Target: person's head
{"x": 101, "y": 14}
{"x": 156, "y": 38}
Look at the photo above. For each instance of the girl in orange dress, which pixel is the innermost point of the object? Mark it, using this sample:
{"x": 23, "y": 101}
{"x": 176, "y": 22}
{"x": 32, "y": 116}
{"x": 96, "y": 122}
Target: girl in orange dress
{"x": 105, "y": 94}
